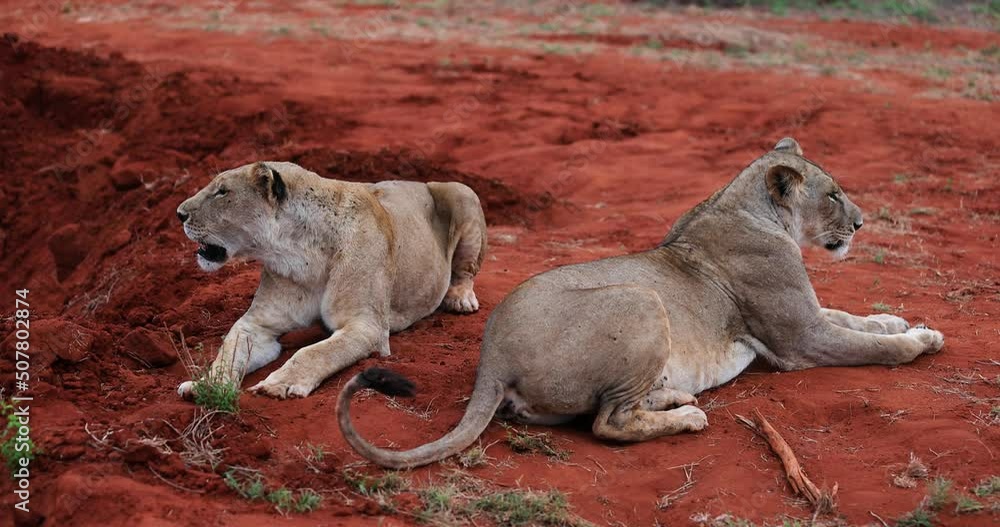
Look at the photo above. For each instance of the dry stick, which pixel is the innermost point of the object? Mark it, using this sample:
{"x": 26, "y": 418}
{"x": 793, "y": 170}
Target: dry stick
{"x": 879, "y": 518}
{"x": 801, "y": 484}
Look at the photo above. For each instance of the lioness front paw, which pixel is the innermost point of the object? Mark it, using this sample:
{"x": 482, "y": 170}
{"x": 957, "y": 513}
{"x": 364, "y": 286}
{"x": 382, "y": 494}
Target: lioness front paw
{"x": 186, "y": 390}
{"x": 276, "y": 387}
{"x": 461, "y": 298}
{"x": 693, "y": 418}
{"x": 892, "y": 324}
{"x": 932, "y": 340}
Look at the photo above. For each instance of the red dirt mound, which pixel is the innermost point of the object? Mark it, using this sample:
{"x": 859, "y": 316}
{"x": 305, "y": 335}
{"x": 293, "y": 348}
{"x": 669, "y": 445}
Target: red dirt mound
{"x": 123, "y": 144}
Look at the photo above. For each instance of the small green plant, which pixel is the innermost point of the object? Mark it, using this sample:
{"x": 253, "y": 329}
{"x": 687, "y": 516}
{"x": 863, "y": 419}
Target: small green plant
{"x": 320, "y": 29}
{"x": 879, "y": 257}
{"x": 881, "y": 307}
{"x": 282, "y": 499}
{"x": 473, "y": 457}
{"x": 248, "y": 487}
{"x": 597, "y": 10}
{"x": 937, "y": 72}
{"x": 938, "y": 493}
{"x": 308, "y": 501}
{"x": 216, "y": 391}
{"x": 438, "y": 504}
{"x": 653, "y": 43}
{"x": 987, "y": 487}
{"x": 555, "y": 49}
{"x": 827, "y": 70}
{"x": 736, "y": 50}
{"x": 388, "y": 483}
{"x": 918, "y": 517}
{"x": 316, "y": 452}
{"x": 524, "y": 442}
{"x": 967, "y": 505}
{"x": 900, "y": 179}
{"x": 16, "y": 448}
{"x": 518, "y": 507}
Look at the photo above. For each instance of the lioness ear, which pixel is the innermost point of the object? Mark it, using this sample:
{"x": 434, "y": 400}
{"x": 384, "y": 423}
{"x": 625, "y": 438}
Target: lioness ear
{"x": 789, "y": 145}
{"x": 270, "y": 183}
{"x": 783, "y": 182}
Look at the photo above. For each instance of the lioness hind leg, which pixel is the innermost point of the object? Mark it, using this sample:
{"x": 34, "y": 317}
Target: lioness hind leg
{"x": 467, "y": 237}
{"x": 659, "y": 399}
{"x": 461, "y": 298}
{"x": 637, "y": 424}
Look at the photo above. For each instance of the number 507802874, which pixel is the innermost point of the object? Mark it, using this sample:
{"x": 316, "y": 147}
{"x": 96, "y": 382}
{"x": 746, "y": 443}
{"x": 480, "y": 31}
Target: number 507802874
{"x": 22, "y": 333}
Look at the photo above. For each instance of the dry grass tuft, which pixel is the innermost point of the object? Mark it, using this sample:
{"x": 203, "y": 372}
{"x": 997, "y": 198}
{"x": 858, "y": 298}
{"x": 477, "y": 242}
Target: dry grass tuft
{"x": 914, "y": 470}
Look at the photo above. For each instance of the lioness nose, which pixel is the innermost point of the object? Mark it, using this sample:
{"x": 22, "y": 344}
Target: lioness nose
{"x": 183, "y": 216}
{"x": 858, "y": 224}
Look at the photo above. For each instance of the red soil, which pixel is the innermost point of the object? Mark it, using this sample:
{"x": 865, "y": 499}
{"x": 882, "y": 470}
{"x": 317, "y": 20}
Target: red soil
{"x": 106, "y": 126}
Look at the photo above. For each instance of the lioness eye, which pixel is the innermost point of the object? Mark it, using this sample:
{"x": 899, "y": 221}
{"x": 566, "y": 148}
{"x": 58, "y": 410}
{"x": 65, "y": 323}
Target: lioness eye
{"x": 221, "y": 192}
{"x": 834, "y": 198}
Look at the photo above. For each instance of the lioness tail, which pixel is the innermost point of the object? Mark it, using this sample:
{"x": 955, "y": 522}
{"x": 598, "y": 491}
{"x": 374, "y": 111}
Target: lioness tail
{"x": 486, "y": 397}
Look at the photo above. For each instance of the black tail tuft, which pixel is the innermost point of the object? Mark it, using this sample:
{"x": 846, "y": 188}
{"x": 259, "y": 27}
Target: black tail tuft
{"x": 388, "y": 382}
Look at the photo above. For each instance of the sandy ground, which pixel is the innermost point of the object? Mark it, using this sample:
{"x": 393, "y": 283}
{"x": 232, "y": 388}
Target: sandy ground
{"x": 587, "y": 130}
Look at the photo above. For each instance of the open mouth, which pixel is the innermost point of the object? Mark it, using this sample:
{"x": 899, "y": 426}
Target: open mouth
{"x": 212, "y": 253}
{"x": 833, "y": 246}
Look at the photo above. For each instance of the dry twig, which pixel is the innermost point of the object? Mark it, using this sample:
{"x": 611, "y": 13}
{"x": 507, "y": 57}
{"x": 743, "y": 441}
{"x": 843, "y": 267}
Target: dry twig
{"x": 821, "y": 500}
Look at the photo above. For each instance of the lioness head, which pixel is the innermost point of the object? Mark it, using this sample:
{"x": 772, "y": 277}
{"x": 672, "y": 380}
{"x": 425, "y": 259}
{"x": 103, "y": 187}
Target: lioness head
{"x": 233, "y": 214}
{"x": 814, "y": 208}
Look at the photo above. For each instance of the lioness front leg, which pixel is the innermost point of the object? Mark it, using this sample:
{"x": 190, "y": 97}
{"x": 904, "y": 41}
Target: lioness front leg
{"x": 831, "y": 345}
{"x": 311, "y": 365}
{"x": 279, "y": 306}
{"x": 882, "y": 323}
{"x": 248, "y": 346}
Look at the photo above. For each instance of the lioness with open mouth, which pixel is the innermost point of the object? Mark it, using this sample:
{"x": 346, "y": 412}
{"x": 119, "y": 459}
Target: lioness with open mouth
{"x": 365, "y": 259}
{"x": 633, "y": 338}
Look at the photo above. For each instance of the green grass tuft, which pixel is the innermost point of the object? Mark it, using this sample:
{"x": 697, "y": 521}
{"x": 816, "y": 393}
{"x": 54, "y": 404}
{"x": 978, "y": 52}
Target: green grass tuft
{"x": 388, "y": 483}
{"x": 248, "y": 487}
{"x": 881, "y": 307}
{"x": 439, "y": 503}
{"x": 967, "y": 505}
{"x": 308, "y": 501}
{"x": 524, "y": 442}
{"x": 16, "y": 454}
{"x": 215, "y": 391}
{"x": 473, "y": 457}
{"x": 987, "y": 487}
{"x": 251, "y": 487}
{"x": 919, "y": 517}
{"x": 515, "y": 508}
{"x": 938, "y": 493}
{"x": 282, "y": 499}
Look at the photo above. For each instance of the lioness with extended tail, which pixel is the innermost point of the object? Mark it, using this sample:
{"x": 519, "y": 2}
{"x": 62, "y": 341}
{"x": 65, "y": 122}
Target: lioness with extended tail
{"x": 364, "y": 259}
{"x": 633, "y": 338}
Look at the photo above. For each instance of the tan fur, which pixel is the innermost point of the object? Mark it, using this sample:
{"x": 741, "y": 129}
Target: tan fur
{"x": 365, "y": 259}
{"x": 633, "y": 338}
